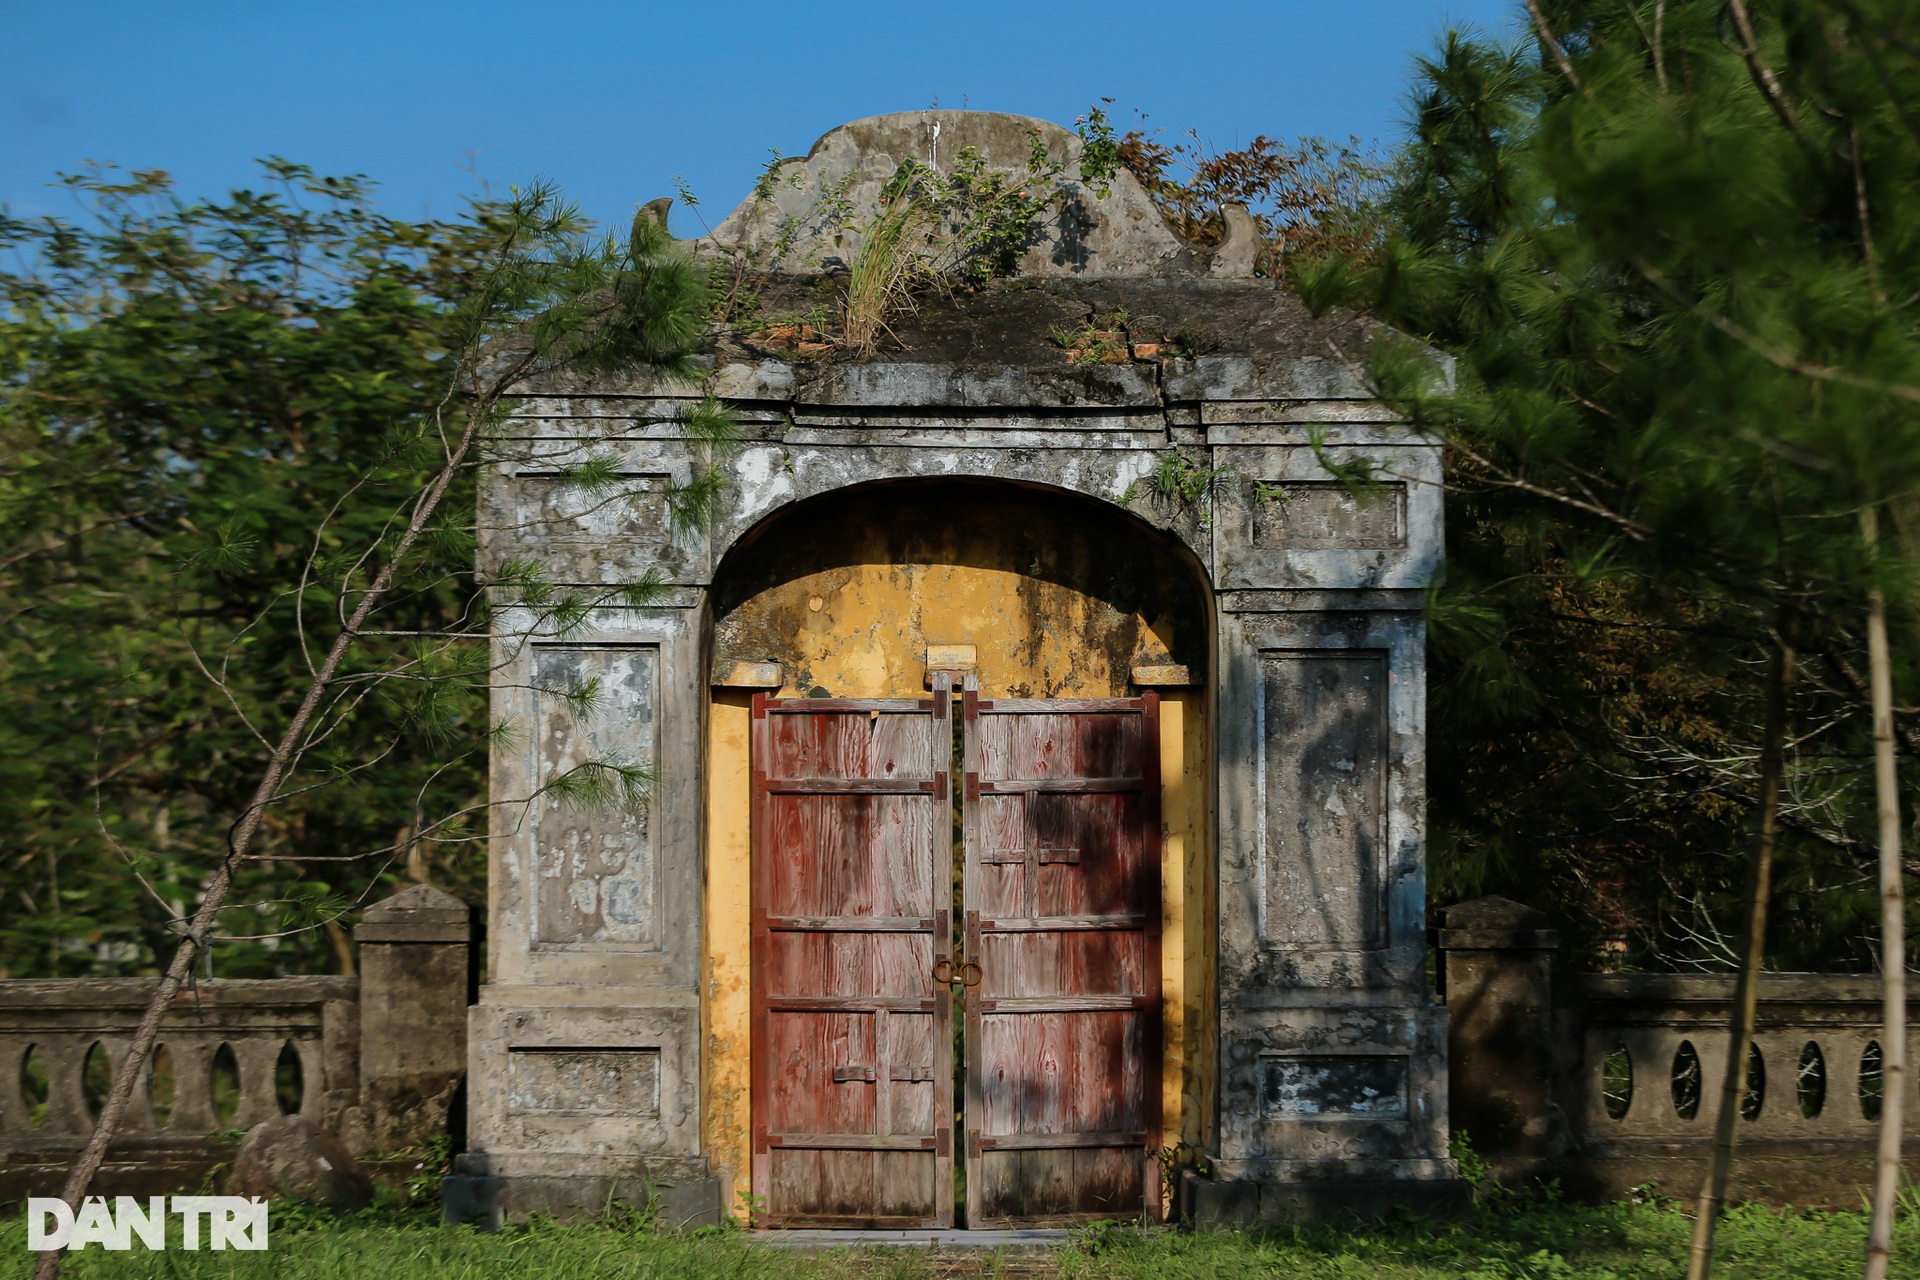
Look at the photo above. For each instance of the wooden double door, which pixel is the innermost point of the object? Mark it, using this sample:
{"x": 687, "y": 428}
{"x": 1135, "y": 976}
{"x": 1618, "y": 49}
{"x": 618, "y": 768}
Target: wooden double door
{"x": 892, "y": 908}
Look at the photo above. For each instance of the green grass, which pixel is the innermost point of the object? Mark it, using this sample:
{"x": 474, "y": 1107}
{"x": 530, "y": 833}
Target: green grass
{"x": 1538, "y": 1242}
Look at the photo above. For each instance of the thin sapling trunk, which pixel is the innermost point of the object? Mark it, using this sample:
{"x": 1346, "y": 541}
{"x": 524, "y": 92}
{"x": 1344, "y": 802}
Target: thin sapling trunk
{"x": 1753, "y": 946}
{"x": 241, "y": 840}
{"x": 1893, "y": 926}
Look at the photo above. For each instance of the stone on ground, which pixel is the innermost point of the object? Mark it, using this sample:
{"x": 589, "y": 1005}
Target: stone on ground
{"x": 290, "y": 1158}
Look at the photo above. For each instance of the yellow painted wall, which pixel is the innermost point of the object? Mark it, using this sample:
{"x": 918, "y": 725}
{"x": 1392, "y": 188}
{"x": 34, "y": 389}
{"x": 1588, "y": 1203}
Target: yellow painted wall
{"x": 727, "y": 1004}
{"x": 1187, "y": 919}
{"x": 1058, "y": 602}
{"x": 865, "y": 631}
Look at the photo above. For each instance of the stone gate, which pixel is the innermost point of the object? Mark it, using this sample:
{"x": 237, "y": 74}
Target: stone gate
{"x": 1038, "y": 734}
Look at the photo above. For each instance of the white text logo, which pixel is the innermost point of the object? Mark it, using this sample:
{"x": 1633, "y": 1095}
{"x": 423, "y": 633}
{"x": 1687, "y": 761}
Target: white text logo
{"x": 230, "y": 1222}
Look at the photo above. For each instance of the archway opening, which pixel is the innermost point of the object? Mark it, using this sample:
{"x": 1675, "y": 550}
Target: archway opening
{"x": 1060, "y": 596}
{"x": 1037, "y": 595}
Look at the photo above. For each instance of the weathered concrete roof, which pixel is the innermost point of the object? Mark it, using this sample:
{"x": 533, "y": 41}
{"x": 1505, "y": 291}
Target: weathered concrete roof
{"x": 1110, "y": 309}
{"x": 1094, "y": 236}
{"x": 1010, "y": 344}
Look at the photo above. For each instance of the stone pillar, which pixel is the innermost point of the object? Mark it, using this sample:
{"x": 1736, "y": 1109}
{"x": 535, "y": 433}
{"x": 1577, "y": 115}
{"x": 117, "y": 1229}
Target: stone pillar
{"x": 1495, "y": 960}
{"x": 413, "y": 1016}
{"x": 1332, "y": 1057}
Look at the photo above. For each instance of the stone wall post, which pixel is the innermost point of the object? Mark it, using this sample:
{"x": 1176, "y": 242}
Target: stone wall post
{"x": 1496, "y": 974}
{"x": 413, "y": 1017}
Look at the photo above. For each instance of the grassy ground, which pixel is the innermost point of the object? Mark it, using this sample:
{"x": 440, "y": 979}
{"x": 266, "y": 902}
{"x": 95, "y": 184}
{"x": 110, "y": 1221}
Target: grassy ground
{"x": 1541, "y": 1241}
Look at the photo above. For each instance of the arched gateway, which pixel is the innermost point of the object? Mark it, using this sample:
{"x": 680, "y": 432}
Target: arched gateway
{"x": 1038, "y": 731}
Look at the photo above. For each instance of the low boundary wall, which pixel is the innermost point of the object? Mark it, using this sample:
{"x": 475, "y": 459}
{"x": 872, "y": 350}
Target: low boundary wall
{"x": 379, "y": 1059}
{"x": 1611, "y": 1082}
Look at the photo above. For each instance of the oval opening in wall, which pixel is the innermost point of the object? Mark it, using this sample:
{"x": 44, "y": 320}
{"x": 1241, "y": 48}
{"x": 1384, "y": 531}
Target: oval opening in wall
{"x": 289, "y": 1082}
{"x": 160, "y": 1085}
{"x": 34, "y": 1084}
{"x": 223, "y": 1084}
{"x": 1686, "y": 1081}
{"x": 1871, "y": 1084}
{"x": 96, "y": 1078}
{"x": 1756, "y": 1095}
{"x": 1810, "y": 1080}
{"x": 1616, "y": 1082}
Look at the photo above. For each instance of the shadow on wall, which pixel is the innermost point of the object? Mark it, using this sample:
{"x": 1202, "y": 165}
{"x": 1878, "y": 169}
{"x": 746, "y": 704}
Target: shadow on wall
{"x": 1060, "y": 595}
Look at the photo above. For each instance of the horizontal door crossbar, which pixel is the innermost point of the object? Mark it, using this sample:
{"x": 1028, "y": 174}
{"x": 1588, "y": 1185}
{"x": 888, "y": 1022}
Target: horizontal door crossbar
{"x": 1061, "y": 924}
{"x": 848, "y": 1142}
{"x": 1060, "y": 786}
{"x": 862, "y": 706}
{"x": 845, "y": 1222}
{"x": 848, "y": 1004}
{"x": 849, "y": 924}
{"x": 850, "y": 786}
{"x": 1057, "y": 1141}
{"x": 869, "y": 1075}
{"x": 1068, "y": 1004}
{"x": 1058, "y": 706}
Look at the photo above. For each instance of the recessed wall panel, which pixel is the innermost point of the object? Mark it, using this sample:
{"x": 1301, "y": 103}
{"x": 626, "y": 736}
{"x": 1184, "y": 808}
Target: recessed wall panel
{"x": 1318, "y": 515}
{"x": 584, "y": 1081}
{"x": 1324, "y": 790}
{"x": 1334, "y": 1086}
{"x": 595, "y": 876}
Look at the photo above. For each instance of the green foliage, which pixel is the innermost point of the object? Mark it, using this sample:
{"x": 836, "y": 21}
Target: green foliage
{"x": 1100, "y": 156}
{"x": 890, "y": 257}
{"x": 190, "y": 391}
{"x": 1474, "y": 1170}
{"x": 1192, "y": 339}
{"x": 960, "y": 228}
{"x": 217, "y": 420}
{"x": 1182, "y": 482}
{"x": 975, "y": 222}
{"x": 1679, "y": 278}
{"x": 994, "y": 215}
{"x": 1265, "y": 493}
{"x": 1094, "y": 341}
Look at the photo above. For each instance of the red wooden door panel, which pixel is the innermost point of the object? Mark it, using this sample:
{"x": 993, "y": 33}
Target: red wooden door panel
{"x": 852, "y": 1045}
{"x": 1062, "y": 897}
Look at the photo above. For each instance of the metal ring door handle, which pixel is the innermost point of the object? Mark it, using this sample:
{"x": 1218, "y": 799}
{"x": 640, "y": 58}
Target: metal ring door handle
{"x": 943, "y": 972}
{"x": 970, "y": 974}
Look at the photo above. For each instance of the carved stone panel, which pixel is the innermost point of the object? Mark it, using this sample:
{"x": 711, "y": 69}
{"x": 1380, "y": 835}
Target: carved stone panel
{"x": 561, "y": 511}
{"x": 1331, "y": 1086}
{"x": 1317, "y": 515}
{"x": 1324, "y": 783}
{"x": 1320, "y": 1090}
{"x": 1289, "y": 521}
{"x": 595, "y": 874}
{"x": 539, "y": 507}
{"x": 584, "y": 1081}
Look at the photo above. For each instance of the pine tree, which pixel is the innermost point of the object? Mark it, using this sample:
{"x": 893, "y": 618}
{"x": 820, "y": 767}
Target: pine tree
{"x": 1676, "y": 247}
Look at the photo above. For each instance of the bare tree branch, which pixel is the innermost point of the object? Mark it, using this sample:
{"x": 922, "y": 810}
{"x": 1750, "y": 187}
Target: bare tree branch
{"x": 1773, "y": 355}
{"x": 1552, "y": 44}
{"x": 1769, "y": 84}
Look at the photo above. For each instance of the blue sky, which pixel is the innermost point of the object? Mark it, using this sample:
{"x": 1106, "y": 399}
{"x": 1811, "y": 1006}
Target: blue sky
{"x": 433, "y": 98}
